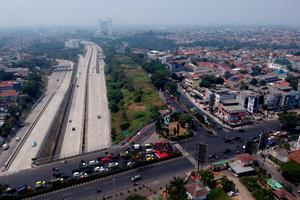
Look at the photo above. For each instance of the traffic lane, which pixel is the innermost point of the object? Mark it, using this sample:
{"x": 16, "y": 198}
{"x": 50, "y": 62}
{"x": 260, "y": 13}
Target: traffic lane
{"x": 123, "y": 181}
{"x": 45, "y": 172}
{"x": 216, "y": 145}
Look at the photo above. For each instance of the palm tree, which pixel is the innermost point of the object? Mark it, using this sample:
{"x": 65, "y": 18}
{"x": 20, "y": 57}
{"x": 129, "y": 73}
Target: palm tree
{"x": 176, "y": 189}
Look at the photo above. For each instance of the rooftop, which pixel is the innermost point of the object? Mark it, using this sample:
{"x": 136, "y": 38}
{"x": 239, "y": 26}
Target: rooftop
{"x": 8, "y": 93}
{"x": 239, "y": 169}
{"x": 295, "y": 156}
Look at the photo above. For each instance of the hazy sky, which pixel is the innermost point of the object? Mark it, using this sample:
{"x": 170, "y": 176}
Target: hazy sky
{"x": 199, "y": 12}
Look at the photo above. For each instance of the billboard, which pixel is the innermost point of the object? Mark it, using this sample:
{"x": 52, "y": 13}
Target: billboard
{"x": 251, "y": 104}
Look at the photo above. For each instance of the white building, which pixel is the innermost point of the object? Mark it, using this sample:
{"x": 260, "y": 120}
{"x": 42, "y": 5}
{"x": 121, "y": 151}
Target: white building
{"x": 105, "y": 26}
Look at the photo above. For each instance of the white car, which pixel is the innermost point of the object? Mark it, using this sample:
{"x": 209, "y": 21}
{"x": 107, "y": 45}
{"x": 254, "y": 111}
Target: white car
{"x": 93, "y": 162}
{"x": 83, "y": 175}
{"x": 100, "y": 169}
{"x": 113, "y": 164}
{"x": 76, "y": 175}
{"x": 18, "y": 139}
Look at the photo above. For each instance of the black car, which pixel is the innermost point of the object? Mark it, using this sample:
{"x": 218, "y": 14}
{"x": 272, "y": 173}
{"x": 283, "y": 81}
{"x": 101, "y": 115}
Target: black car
{"x": 227, "y": 151}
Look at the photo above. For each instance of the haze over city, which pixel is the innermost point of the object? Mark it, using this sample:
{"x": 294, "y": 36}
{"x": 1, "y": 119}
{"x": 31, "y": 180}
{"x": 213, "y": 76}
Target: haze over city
{"x": 155, "y": 12}
{"x": 150, "y": 99}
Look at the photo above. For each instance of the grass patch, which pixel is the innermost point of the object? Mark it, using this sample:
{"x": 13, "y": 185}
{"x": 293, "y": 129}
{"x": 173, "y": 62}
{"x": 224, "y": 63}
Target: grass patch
{"x": 140, "y": 101}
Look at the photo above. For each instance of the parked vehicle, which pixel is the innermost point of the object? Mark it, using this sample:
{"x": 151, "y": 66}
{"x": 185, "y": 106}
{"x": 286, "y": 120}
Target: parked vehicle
{"x": 5, "y": 146}
{"x": 40, "y": 184}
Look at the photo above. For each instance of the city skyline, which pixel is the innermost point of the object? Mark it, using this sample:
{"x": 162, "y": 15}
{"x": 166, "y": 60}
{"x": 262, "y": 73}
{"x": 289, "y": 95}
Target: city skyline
{"x": 132, "y": 12}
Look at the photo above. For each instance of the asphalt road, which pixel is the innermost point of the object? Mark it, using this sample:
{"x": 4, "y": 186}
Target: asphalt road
{"x": 216, "y": 145}
{"x": 122, "y": 181}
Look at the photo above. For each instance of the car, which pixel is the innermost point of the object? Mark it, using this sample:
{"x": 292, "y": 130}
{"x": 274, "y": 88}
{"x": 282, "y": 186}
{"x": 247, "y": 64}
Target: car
{"x": 10, "y": 190}
{"x": 40, "y": 184}
{"x": 100, "y": 169}
{"x": 98, "y": 117}
{"x": 84, "y": 175}
{"x": 73, "y": 129}
{"x": 217, "y": 156}
{"x": 113, "y": 164}
{"x": 130, "y": 163}
{"x": 211, "y": 155}
{"x": 34, "y": 144}
{"x": 93, "y": 162}
{"x": 56, "y": 180}
{"x": 18, "y": 139}
{"x": 227, "y": 151}
{"x": 237, "y": 138}
{"x": 76, "y": 175}
{"x": 83, "y": 165}
{"x": 136, "y": 178}
{"x": 22, "y": 189}
{"x": 5, "y": 146}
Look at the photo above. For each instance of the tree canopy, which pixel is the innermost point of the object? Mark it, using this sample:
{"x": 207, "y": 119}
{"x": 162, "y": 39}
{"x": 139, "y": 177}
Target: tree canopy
{"x": 208, "y": 80}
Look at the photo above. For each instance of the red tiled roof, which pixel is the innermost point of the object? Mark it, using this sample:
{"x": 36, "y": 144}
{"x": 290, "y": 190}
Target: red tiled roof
{"x": 196, "y": 189}
{"x": 8, "y": 93}
{"x": 6, "y": 83}
{"x": 245, "y": 157}
{"x": 283, "y": 194}
{"x": 283, "y": 83}
{"x": 295, "y": 156}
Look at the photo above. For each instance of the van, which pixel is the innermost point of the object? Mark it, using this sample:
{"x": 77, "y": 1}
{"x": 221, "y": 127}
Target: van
{"x": 5, "y": 146}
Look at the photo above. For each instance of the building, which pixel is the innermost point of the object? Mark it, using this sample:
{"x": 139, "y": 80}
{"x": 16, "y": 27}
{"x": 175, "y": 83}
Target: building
{"x": 282, "y": 194}
{"x": 279, "y": 156}
{"x": 10, "y": 85}
{"x": 105, "y": 26}
{"x": 275, "y": 185}
{"x": 250, "y": 100}
{"x": 72, "y": 44}
{"x": 295, "y": 156}
{"x": 8, "y": 96}
{"x": 195, "y": 189}
{"x": 17, "y": 72}
{"x": 245, "y": 159}
{"x": 242, "y": 165}
{"x": 231, "y": 112}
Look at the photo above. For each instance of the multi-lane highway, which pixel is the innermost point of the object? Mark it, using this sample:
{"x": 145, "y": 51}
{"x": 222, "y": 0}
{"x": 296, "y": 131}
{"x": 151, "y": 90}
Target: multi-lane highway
{"x": 29, "y": 147}
{"x": 98, "y": 120}
{"x": 88, "y": 126}
{"x": 72, "y": 140}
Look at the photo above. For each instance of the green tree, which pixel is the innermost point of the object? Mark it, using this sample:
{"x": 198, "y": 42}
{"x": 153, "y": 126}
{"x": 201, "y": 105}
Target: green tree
{"x": 185, "y": 119}
{"x": 291, "y": 171}
{"x": 209, "y": 80}
{"x": 227, "y": 185}
{"x": 136, "y": 197}
{"x": 262, "y": 83}
{"x": 293, "y": 81}
{"x": 289, "y": 121}
{"x": 176, "y": 189}
{"x": 207, "y": 177}
{"x": 171, "y": 87}
{"x": 217, "y": 194}
{"x": 253, "y": 81}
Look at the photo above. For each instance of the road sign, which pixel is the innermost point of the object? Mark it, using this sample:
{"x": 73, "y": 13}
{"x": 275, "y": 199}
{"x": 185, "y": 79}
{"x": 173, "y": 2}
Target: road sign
{"x": 201, "y": 152}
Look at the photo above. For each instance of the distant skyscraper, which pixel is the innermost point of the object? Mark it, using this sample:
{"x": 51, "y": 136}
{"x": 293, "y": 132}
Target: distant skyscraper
{"x": 104, "y": 26}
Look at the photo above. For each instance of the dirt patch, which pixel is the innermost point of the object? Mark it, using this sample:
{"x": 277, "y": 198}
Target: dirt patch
{"x": 172, "y": 125}
{"x": 137, "y": 107}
